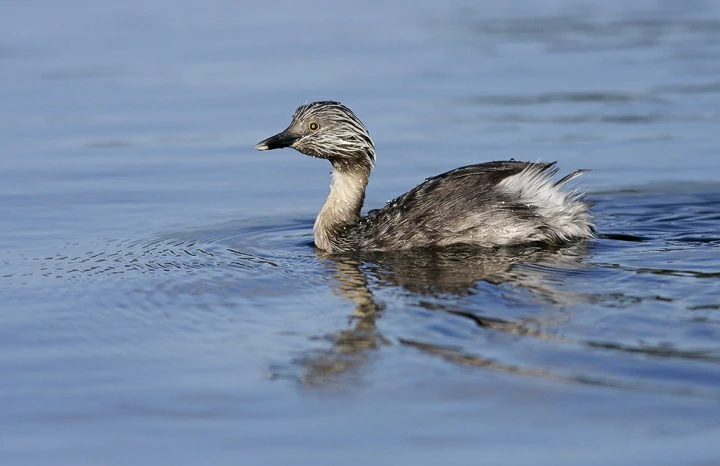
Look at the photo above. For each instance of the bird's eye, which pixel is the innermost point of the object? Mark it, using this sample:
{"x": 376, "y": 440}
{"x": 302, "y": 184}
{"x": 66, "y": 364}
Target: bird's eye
{"x": 313, "y": 126}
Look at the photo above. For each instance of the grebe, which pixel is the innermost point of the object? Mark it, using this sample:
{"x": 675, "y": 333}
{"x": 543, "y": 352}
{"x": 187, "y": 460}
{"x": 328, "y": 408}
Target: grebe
{"x": 489, "y": 204}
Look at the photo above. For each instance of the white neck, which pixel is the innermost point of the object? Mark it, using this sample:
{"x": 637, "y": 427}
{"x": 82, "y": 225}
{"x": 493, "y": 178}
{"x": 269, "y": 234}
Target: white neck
{"x": 342, "y": 207}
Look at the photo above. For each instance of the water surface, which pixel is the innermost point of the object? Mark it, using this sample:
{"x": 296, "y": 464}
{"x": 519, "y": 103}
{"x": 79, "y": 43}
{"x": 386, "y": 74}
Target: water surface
{"x": 162, "y": 300}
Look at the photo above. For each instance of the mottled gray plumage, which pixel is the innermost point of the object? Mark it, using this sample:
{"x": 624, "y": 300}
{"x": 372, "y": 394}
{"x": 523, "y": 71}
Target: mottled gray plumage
{"x": 489, "y": 204}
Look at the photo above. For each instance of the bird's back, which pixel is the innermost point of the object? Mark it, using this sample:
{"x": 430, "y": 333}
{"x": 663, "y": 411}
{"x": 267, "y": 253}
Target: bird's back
{"x": 489, "y": 204}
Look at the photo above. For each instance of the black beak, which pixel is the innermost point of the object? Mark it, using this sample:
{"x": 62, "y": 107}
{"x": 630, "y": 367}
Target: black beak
{"x": 284, "y": 139}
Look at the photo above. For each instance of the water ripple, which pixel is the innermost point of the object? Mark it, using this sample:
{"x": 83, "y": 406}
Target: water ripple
{"x": 587, "y": 313}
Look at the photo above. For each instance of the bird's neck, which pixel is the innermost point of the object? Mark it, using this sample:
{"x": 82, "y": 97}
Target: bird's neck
{"x": 343, "y": 204}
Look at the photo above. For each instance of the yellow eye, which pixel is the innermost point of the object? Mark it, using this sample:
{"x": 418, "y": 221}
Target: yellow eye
{"x": 313, "y": 126}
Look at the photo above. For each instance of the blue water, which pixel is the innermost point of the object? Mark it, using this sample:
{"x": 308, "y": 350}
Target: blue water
{"x": 161, "y": 299}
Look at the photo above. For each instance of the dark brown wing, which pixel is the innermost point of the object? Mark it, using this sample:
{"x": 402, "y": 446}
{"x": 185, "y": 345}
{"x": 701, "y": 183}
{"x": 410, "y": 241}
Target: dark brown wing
{"x": 473, "y": 180}
{"x": 436, "y": 209}
{"x": 490, "y": 173}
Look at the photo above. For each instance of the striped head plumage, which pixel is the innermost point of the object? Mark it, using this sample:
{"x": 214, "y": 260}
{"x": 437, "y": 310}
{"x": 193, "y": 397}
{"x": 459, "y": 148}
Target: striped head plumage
{"x": 327, "y": 130}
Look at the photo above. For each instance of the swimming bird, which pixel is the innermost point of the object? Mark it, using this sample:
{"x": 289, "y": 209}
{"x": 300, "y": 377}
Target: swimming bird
{"x": 492, "y": 204}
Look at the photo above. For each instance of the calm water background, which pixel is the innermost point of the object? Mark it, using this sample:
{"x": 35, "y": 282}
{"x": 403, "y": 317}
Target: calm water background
{"x": 162, "y": 302}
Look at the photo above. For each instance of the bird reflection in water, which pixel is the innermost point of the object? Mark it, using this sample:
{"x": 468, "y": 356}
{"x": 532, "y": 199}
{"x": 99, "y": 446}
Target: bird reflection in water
{"x": 437, "y": 279}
